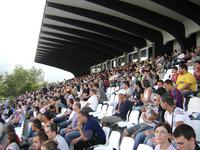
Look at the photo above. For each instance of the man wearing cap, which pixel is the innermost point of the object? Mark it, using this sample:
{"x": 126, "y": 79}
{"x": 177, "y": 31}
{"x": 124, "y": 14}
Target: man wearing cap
{"x": 121, "y": 109}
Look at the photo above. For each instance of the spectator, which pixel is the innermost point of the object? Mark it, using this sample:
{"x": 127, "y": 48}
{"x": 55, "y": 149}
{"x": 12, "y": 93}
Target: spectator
{"x": 175, "y": 116}
{"x": 138, "y": 94}
{"x": 13, "y": 143}
{"x": 175, "y": 93}
{"x": 38, "y": 140}
{"x": 185, "y": 138}
{"x": 46, "y": 117}
{"x": 186, "y": 81}
{"x": 163, "y": 137}
{"x": 51, "y": 131}
{"x": 121, "y": 109}
{"x": 91, "y": 133}
{"x": 147, "y": 98}
{"x": 101, "y": 95}
{"x": 50, "y": 145}
{"x": 92, "y": 102}
{"x": 175, "y": 74}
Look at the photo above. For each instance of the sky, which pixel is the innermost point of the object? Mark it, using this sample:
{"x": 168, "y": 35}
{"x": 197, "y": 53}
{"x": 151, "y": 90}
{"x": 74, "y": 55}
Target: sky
{"x": 20, "y": 23}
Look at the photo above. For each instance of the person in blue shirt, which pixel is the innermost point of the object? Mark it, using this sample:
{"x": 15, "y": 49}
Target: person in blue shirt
{"x": 91, "y": 133}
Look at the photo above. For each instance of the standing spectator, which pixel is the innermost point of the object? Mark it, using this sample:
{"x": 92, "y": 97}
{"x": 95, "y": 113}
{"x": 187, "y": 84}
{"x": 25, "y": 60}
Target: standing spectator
{"x": 185, "y": 138}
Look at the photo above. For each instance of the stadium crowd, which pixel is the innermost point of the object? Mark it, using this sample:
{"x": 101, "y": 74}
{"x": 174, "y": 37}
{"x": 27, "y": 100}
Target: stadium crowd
{"x": 63, "y": 116}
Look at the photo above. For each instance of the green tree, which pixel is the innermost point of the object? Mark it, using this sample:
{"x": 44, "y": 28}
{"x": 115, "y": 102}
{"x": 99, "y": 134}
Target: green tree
{"x": 20, "y": 81}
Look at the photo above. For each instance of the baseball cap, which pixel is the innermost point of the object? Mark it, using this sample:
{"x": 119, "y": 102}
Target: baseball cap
{"x": 122, "y": 91}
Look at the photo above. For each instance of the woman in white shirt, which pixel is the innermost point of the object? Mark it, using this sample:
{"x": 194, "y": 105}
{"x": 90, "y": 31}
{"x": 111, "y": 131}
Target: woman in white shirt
{"x": 163, "y": 137}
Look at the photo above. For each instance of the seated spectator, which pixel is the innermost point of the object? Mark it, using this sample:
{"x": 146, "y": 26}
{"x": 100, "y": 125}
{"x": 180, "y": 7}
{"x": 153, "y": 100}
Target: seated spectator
{"x": 138, "y": 94}
{"x": 92, "y": 102}
{"x": 51, "y": 131}
{"x": 197, "y": 70}
{"x": 175, "y": 116}
{"x": 50, "y": 145}
{"x": 74, "y": 120}
{"x": 175, "y": 93}
{"x": 121, "y": 110}
{"x": 46, "y": 117}
{"x": 91, "y": 133}
{"x": 186, "y": 81}
{"x": 163, "y": 137}
{"x": 185, "y": 138}
{"x": 174, "y": 74}
{"x": 38, "y": 140}
{"x": 2, "y": 122}
{"x": 17, "y": 118}
{"x": 13, "y": 143}
{"x": 147, "y": 98}
{"x": 129, "y": 91}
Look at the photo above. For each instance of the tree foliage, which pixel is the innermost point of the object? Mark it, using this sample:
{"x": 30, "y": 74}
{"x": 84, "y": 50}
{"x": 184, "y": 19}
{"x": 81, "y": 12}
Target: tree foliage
{"x": 20, "y": 81}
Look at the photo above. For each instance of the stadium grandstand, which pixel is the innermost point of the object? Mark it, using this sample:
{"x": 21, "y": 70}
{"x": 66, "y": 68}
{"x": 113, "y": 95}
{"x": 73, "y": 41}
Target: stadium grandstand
{"x": 137, "y": 79}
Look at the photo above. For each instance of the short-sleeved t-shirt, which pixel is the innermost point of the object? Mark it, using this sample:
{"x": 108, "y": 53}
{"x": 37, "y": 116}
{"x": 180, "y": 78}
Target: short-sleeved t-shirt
{"x": 186, "y": 78}
{"x": 92, "y": 128}
{"x": 178, "y": 115}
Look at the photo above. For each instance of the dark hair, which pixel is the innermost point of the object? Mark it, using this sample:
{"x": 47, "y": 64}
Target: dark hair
{"x": 96, "y": 85}
{"x": 198, "y": 62}
{"x": 183, "y": 66}
{"x": 50, "y": 145}
{"x": 161, "y": 81}
{"x": 53, "y": 127}
{"x": 167, "y": 98}
{"x": 186, "y": 131}
{"x": 146, "y": 83}
{"x": 138, "y": 83}
{"x": 175, "y": 68}
{"x": 42, "y": 136}
{"x": 165, "y": 125}
{"x": 77, "y": 99}
{"x": 10, "y": 128}
{"x": 161, "y": 91}
{"x": 169, "y": 82}
{"x": 37, "y": 123}
{"x": 127, "y": 83}
{"x": 12, "y": 137}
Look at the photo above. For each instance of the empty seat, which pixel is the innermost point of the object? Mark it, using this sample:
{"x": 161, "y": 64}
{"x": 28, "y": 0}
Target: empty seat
{"x": 193, "y": 105}
{"x": 196, "y": 126}
{"x": 109, "y": 111}
{"x": 113, "y": 142}
{"x": 133, "y": 119}
{"x": 127, "y": 143}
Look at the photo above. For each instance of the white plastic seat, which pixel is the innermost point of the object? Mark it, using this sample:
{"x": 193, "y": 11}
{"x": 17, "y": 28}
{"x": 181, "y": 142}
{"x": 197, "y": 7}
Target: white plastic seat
{"x": 127, "y": 143}
{"x": 103, "y": 112}
{"x": 195, "y": 124}
{"x": 109, "y": 111}
{"x": 113, "y": 142}
{"x": 98, "y": 110}
{"x": 144, "y": 147}
{"x": 133, "y": 119}
{"x": 193, "y": 105}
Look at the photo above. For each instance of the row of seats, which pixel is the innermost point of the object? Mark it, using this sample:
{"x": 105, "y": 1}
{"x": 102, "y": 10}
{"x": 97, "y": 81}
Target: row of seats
{"x": 113, "y": 142}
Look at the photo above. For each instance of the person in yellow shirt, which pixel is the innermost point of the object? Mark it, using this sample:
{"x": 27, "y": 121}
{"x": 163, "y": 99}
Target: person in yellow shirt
{"x": 186, "y": 81}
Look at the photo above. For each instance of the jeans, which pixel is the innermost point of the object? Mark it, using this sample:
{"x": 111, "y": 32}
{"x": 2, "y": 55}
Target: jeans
{"x": 71, "y": 135}
{"x": 141, "y": 138}
{"x": 62, "y": 122}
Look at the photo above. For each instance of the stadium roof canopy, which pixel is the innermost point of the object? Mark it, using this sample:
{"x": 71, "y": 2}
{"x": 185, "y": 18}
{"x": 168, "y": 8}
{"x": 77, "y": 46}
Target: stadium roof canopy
{"x": 77, "y": 34}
